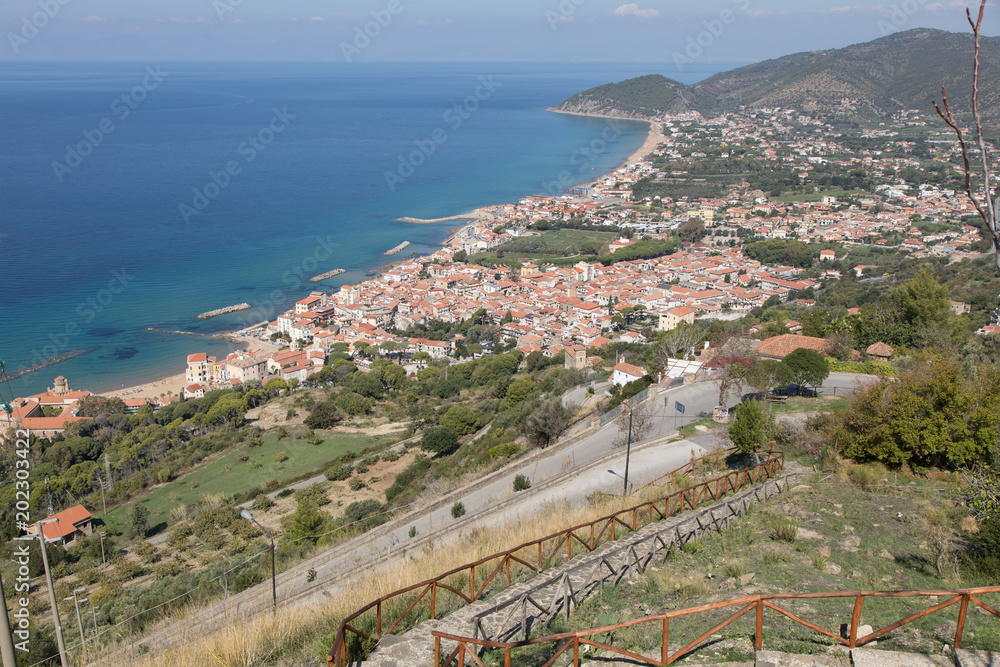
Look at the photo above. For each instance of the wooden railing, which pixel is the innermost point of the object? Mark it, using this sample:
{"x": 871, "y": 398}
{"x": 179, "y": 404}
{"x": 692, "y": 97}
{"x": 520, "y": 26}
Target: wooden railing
{"x": 572, "y": 641}
{"x": 533, "y": 556}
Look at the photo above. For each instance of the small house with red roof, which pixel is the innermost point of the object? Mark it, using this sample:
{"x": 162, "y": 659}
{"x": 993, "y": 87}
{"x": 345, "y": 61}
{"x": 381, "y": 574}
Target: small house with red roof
{"x": 624, "y": 373}
{"x": 70, "y": 525}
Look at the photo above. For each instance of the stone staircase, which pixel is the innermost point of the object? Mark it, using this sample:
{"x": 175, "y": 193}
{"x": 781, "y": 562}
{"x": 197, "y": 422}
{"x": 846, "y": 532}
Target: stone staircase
{"x": 516, "y": 609}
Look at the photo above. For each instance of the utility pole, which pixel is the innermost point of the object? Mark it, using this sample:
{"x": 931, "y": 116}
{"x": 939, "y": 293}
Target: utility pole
{"x": 103, "y": 559}
{"x": 628, "y": 448}
{"x": 6, "y": 639}
{"x": 274, "y": 586}
{"x": 76, "y": 603}
{"x": 104, "y": 502}
{"x": 52, "y": 591}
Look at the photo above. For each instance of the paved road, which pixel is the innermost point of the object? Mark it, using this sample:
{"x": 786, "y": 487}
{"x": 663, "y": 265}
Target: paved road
{"x": 564, "y": 473}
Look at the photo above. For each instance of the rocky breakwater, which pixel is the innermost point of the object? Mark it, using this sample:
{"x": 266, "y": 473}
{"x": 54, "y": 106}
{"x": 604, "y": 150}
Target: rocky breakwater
{"x": 328, "y": 274}
{"x": 399, "y": 248}
{"x": 224, "y": 311}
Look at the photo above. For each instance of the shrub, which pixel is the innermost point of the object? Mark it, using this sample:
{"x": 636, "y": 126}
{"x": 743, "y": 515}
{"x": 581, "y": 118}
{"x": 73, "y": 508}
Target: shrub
{"x": 356, "y": 484}
{"x": 412, "y": 532}
{"x": 734, "y": 569}
{"x": 416, "y": 469}
{"x": 263, "y": 503}
{"x": 784, "y": 530}
{"x": 392, "y": 455}
{"x": 284, "y": 493}
{"x": 439, "y": 440}
{"x": 457, "y": 510}
{"x": 504, "y": 451}
{"x": 338, "y": 474}
{"x": 521, "y": 482}
{"x": 280, "y": 457}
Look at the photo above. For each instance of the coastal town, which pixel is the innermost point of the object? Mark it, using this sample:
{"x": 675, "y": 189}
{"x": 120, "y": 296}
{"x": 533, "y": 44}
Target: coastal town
{"x": 548, "y": 308}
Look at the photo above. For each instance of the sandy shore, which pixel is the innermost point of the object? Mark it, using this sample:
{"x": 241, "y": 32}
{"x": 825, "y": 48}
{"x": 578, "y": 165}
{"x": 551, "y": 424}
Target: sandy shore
{"x": 653, "y": 139}
{"x": 173, "y": 385}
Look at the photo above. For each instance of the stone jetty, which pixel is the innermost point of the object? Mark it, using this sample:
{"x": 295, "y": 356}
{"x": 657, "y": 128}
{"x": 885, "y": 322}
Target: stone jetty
{"x": 225, "y": 311}
{"x": 328, "y": 274}
{"x": 399, "y": 248}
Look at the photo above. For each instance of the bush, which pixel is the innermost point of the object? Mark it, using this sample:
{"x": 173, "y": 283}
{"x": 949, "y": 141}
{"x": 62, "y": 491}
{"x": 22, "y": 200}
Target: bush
{"x": 284, "y": 493}
{"x": 412, "y": 472}
{"x": 521, "y": 482}
{"x": 504, "y": 451}
{"x": 412, "y": 532}
{"x": 338, "y": 474}
{"x": 439, "y": 440}
{"x": 356, "y": 484}
{"x": 457, "y": 510}
{"x": 263, "y": 503}
{"x": 280, "y": 457}
{"x": 866, "y": 478}
{"x": 784, "y": 530}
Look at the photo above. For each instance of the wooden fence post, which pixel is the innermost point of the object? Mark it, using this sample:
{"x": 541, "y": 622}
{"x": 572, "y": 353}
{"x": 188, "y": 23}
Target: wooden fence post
{"x": 855, "y": 618}
{"x": 961, "y": 620}
{"x": 664, "y": 651}
{"x": 758, "y": 641}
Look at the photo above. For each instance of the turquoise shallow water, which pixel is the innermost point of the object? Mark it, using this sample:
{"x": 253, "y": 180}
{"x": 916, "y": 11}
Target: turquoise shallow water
{"x": 139, "y": 195}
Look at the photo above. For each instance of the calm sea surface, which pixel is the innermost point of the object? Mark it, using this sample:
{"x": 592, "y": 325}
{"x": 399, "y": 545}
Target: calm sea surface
{"x": 137, "y": 195}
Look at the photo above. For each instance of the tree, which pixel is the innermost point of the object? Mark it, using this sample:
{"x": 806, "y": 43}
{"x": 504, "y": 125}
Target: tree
{"x": 306, "y": 523}
{"x": 547, "y": 422}
{"x": 933, "y": 415}
{"x": 439, "y": 440}
{"x": 752, "y": 427}
{"x": 461, "y": 419}
{"x": 139, "y": 518}
{"x": 676, "y": 343}
{"x": 642, "y": 423}
{"x": 691, "y": 230}
{"x": 228, "y": 410}
{"x": 93, "y": 406}
{"x": 324, "y": 415}
{"x": 983, "y": 203}
{"x": 459, "y": 256}
{"x": 806, "y": 367}
{"x": 519, "y": 390}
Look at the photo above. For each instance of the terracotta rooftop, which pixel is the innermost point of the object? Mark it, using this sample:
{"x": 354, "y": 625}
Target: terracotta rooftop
{"x": 66, "y": 524}
{"x": 779, "y": 347}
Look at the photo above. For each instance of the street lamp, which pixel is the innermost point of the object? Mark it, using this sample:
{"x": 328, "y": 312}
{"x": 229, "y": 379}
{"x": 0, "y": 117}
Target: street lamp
{"x": 628, "y": 447}
{"x": 48, "y": 580}
{"x": 274, "y": 587}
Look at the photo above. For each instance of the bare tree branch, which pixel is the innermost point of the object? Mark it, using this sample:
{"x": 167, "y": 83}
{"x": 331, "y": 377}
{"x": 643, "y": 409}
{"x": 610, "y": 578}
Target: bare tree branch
{"x": 985, "y": 206}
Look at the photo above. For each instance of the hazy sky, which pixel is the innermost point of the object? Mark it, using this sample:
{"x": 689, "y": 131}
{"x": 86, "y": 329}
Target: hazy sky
{"x": 706, "y": 31}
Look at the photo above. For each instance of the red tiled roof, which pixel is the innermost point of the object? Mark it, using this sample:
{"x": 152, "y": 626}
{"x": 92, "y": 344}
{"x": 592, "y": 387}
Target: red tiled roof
{"x": 782, "y": 346}
{"x": 65, "y": 526}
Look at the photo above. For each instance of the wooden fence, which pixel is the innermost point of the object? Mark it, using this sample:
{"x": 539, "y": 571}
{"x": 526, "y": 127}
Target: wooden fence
{"x": 533, "y": 557}
{"x": 469, "y": 647}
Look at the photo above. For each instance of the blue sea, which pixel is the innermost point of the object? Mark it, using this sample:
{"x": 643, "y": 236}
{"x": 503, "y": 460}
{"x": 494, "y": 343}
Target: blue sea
{"x": 138, "y": 195}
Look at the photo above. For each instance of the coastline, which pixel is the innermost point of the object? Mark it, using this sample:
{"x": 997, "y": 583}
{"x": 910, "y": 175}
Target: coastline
{"x": 654, "y": 137}
{"x": 174, "y": 384}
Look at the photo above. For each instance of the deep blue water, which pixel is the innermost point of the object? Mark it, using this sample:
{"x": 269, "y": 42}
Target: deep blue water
{"x": 97, "y": 250}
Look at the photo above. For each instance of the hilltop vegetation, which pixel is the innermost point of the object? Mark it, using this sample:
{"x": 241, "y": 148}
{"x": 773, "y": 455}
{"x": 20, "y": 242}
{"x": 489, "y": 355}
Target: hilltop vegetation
{"x": 874, "y": 79}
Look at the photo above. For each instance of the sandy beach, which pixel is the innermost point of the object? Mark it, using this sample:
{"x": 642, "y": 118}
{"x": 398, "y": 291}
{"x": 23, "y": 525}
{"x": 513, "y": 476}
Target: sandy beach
{"x": 653, "y": 139}
{"x": 173, "y": 385}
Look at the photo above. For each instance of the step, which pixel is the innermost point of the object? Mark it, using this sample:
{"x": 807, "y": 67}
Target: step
{"x": 779, "y": 659}
{"x": 965, "y": 658}
{"x": 869, "y": 657}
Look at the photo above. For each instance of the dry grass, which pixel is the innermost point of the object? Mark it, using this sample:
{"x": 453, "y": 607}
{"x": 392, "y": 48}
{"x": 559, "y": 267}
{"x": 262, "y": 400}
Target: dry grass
{"x": 306, "y": 633}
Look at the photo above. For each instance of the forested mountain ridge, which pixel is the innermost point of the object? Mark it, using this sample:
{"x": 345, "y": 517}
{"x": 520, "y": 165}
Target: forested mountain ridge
{"x": 873, "y": 79}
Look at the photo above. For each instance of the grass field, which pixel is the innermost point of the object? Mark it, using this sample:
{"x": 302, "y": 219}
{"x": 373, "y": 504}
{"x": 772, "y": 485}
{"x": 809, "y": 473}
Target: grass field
{"x": 226, "y": 475}
{"x": 556, "y": 243}
{"x": 816, "y": 196}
